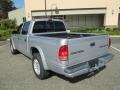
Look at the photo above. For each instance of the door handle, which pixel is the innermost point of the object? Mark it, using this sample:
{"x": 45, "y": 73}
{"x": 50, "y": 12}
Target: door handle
{"x": 92, "y": 44}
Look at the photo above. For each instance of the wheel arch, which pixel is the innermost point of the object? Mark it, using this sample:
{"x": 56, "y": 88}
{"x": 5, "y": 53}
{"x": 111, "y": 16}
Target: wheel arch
{"x": 39, "y": 50}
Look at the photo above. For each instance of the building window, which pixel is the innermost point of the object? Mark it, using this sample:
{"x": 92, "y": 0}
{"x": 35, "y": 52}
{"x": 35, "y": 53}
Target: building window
{"x": 61, "y": 17}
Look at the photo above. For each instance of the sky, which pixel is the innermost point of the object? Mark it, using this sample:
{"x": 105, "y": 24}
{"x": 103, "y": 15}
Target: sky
{"x": 19, "y": 3}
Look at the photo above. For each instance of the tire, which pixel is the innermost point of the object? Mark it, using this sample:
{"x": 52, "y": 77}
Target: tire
{"x": 38, "y": 67}
{"x": 13, "y": 51}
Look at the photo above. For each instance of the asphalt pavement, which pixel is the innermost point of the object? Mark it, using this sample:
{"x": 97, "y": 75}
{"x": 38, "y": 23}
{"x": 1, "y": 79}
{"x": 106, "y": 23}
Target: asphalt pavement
{"x": 16, "y": 74}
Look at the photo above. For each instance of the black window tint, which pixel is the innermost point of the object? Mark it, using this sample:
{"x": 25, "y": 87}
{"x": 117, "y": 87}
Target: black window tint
{"x": 19, "y": 29}
{"x": 50, "y": 26}
{"x": 59, "y": 26}
{"x": 39, "y": 27}
{"x": 25, "y": 28}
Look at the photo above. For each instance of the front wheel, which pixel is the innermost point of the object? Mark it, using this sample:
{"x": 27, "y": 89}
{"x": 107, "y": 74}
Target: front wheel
{"x": 38, "y": 67}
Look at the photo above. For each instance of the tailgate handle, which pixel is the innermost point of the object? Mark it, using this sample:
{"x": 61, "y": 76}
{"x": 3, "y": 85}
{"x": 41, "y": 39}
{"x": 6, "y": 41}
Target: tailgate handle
{"x": 92, "y": 44}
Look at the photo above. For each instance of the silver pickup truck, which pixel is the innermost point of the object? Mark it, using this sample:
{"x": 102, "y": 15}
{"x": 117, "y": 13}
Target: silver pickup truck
{"x": 52, "y": 48}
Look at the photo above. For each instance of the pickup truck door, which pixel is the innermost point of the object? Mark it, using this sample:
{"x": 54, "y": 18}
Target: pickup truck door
{"x": 16, "y": 37}
{"x": 23, "y": 38}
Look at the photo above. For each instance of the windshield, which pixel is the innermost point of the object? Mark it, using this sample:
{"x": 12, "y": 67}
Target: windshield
{"x": 48, "y": 26}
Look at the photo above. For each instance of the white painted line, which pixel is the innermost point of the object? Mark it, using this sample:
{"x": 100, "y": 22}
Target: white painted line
{"x": 115, "y": 48}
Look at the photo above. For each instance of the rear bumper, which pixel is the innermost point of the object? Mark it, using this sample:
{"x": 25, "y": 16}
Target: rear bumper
{"x": 85, "y": 67}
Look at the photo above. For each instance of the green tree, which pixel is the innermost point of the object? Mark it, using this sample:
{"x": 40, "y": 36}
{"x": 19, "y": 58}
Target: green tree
{"x": 6, "y": 6}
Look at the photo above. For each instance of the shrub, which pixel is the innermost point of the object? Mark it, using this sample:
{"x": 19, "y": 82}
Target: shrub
{"x": 6, "y": 33}
{"x": 6, "y": 28}
{"x": 115, "y": 31}
{"x": 7, "y": 24}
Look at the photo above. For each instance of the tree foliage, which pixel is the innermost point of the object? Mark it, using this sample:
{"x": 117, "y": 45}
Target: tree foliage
{"x": 6, "y": 6}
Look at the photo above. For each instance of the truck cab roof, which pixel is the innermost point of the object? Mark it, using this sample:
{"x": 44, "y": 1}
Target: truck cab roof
{"x": 46, "y": 19}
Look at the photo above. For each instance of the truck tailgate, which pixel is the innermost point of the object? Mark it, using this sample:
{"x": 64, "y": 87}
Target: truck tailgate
{"x": 88, "y": 48}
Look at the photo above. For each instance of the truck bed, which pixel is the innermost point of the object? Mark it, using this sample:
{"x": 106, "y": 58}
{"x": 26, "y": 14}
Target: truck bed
{"x": 67, "y": 35}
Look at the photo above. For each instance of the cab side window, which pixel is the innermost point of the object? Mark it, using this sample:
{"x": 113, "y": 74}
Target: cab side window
{"x": 25, "y": 28}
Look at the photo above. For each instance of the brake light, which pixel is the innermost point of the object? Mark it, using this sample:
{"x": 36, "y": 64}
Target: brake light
{"x": 109, "y": 45}
{"x": 50, "y": 18}
{"x": 63, "y": 53}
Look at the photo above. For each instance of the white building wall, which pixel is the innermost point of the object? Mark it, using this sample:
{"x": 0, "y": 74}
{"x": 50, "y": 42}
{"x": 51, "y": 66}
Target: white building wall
{"x": 18, "y": 15}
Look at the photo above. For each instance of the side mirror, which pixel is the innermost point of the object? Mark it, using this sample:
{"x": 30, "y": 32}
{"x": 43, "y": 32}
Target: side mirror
{"x": 14, "y": 32}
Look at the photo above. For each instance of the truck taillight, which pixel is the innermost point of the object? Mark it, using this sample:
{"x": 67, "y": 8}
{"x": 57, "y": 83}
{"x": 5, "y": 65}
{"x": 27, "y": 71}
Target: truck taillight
{"x": 63, "y": 53}
{"x": 109, "y": 45}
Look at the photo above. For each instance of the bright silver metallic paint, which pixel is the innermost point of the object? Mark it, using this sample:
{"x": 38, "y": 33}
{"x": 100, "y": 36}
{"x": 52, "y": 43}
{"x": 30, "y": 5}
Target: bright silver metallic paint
{"x": 48, "y": 49}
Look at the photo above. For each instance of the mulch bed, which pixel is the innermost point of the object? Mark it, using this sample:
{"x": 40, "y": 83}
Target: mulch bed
{"x": 2, "y": 39}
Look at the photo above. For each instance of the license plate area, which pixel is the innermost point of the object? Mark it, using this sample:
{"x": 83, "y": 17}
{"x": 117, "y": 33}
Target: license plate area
{"x": 93, "y": 63}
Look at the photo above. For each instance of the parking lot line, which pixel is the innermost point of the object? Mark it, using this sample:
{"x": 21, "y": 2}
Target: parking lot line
{"x": 115, "y": 48}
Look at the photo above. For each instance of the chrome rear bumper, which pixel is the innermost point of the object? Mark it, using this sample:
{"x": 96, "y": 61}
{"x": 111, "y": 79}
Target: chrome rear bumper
{"x": 89, "y": 66}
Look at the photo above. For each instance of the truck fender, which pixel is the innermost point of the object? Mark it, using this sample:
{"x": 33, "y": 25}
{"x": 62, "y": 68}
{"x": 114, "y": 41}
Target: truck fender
{"x": 11, "y": 41}
{"x": 42, "y": 57}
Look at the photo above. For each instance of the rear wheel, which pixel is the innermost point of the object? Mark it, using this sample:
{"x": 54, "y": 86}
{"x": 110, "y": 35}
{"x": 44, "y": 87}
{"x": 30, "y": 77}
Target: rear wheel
{"x": 38, "y": 67}
{"x": 13, "y": 51}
